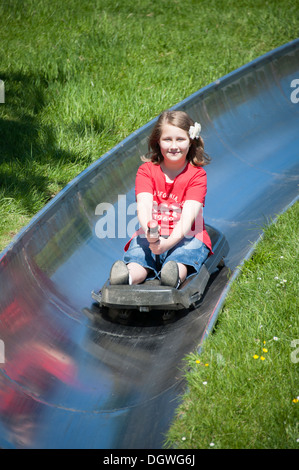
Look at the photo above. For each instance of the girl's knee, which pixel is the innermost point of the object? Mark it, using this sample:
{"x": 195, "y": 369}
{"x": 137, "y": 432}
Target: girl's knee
{"x": 137, "y": 273}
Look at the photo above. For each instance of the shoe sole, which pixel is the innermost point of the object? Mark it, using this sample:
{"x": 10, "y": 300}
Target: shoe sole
{"x": 170, "y": 274}
{"x": 119, "y": 273}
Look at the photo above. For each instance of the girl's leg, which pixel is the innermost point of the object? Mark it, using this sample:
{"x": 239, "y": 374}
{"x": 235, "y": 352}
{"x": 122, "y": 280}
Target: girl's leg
{"x": 188, "y": 255}
{"x": 140, "y": 261}
{"x": 182, "y": 271}
{"x": 137, "y": 273}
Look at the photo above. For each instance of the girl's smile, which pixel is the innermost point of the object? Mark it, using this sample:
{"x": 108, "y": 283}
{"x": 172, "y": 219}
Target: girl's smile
{"x": 174, "y": 145}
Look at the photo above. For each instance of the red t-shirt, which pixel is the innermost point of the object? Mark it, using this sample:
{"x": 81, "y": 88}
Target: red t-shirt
{"x": 169, "y": 198}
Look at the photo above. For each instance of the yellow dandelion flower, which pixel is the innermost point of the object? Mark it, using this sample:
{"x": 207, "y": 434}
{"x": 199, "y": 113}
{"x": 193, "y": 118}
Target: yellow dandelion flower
{"x": 265, "y": 350}
{"x": 295, "y": 400}
{"x": 207, "y": 365}
{"x": 197, "y": 361}
{"x": 255, "y": 356}
{"x": 262, "y": 358}
{"x": 264, "y": 342}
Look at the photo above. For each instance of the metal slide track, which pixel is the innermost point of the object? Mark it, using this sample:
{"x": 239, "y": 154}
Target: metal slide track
{"x": 67, "y": 381}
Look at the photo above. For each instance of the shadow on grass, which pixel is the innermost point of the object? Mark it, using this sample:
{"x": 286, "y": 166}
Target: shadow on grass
{"x": 27, "y": 146}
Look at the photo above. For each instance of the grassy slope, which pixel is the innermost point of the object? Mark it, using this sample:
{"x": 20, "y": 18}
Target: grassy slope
{"x": 80, "y": 76}
{"x": 244, "y": 392}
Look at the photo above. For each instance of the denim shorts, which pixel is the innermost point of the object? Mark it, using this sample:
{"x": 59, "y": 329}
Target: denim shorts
{"x": 189, "y": 251}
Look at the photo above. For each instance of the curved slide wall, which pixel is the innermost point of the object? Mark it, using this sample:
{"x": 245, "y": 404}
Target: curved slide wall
{"x": 67, "y": 381}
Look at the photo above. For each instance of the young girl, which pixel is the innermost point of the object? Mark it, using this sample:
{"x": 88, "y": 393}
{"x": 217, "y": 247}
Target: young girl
{"x": 170, "y": 189}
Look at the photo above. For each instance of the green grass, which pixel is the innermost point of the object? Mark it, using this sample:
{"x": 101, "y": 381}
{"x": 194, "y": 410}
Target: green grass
{"x": 80, "y": 76}
{"x": 243, "y": 392}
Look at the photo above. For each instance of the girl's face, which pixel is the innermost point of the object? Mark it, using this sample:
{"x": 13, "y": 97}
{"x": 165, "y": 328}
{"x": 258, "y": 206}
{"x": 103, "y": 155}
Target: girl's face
{"x": 174, "y": 144}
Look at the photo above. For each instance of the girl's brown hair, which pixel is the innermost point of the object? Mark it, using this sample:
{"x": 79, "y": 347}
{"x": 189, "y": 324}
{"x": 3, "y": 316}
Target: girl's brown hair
{"x": 196, "y": 155}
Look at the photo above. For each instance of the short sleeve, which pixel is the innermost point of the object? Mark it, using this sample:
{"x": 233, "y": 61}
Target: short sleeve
{"x": 197, "y": 187}
{"x": 144, "y": 180}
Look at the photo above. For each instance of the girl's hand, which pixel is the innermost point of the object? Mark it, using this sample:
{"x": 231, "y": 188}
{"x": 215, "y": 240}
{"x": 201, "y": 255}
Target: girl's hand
{"x": 153, "y": 231}
{"x": 160, "y": 246}
{"x": 152, "y": 238}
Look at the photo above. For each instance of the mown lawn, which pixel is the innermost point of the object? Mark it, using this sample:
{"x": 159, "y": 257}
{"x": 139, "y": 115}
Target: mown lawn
{"x": 80, "y": 76}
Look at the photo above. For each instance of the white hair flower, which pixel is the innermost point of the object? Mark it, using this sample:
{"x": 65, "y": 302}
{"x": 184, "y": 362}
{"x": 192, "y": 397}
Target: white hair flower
{"x": 194, "y": 131}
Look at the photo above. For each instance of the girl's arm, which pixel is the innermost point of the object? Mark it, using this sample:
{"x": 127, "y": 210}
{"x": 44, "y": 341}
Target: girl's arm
{"x": 191, "y": 210}
{"x": 144, "y": 209}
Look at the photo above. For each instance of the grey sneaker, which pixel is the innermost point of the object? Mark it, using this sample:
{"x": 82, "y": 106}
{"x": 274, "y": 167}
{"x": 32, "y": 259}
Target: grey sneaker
{"x": 119, "y": 273}
{"x": 170, "y": 274}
